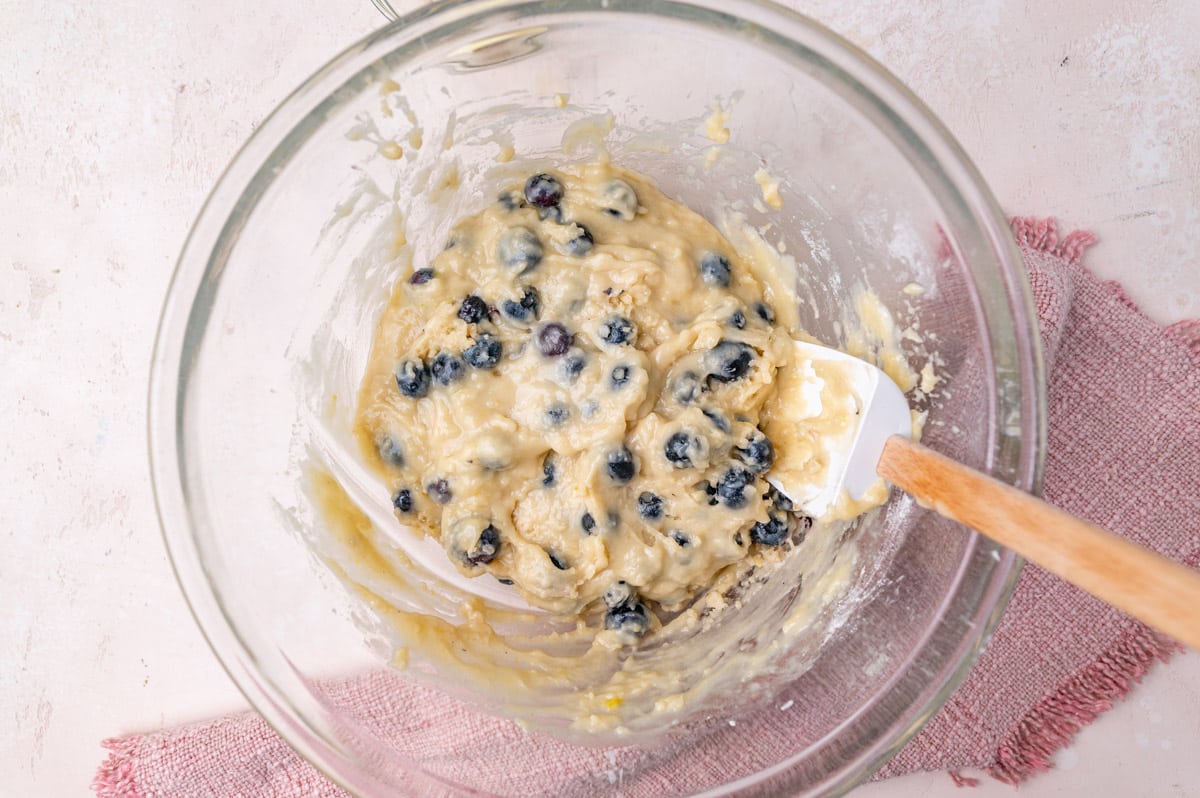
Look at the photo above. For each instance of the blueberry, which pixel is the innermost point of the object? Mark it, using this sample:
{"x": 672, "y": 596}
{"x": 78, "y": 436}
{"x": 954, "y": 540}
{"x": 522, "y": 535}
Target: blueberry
{"x": 620, "y": 375}
{"x": 553, "y": 214}
{"x": 628, "y": 618}
{"x": 557, "y": 414}
{"x": 738, "y": 320}
{"x": 715, "y": 269}
{"x": 620, "y": 200}
{"x": 519, "y": 249}
{"x": 757, "y": 453}
{"x": 620, "y": 465}
{"x": 679, "y": 447}
{"x": 731, "y": 488}
{"x": 524, "y": 309}
{"x": 439, "y": 491}
{"x": 719, "y": 421}
{"x": 765, "y": 313}
{"x": 588, "y": 523}
{"x": 412, "y": 378}
{"x": 557, "y": 561}
{"x": 686, "y": 387}
{"x": 553, "y": 339}
{"x": 511, "y": 201}
{"x": 771, "y": 533}
{"x": 473, "y": 309}
{"x": 581, "y": 244}
{"x": 572, "y": 364}
{"x": 485, "y": 352}
{"x": 782, "y": 505}
{"x": 403, "y": 500}
{"x": 485, "y": 549}
{"x": 421, "y": 276}
{"x": 543, "y": 190}
{"x": 729, "y": 361}
{"x": 447, "y": 368}
{"x": 778, "y": 528}
{"x": 650, "y": 506}
{"x": 390, "y": 451}
{"x": 548, "y": 470}
{"x": 680, "y": 537}
{"x": 616, "y": 330}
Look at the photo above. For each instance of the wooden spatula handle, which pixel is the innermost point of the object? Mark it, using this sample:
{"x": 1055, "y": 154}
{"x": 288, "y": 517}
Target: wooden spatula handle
{"x": 1148, "y": 586}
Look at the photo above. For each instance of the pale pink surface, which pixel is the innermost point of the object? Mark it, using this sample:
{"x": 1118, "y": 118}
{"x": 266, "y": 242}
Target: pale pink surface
{"x": 1124, "y": 404}
{"x": 116, "y": 120}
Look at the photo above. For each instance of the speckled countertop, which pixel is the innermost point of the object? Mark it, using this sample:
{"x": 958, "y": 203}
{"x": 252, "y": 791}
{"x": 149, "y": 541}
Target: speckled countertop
{"x": 116, "y": 118}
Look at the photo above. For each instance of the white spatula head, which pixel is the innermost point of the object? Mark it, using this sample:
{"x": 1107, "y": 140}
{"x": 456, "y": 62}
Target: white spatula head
{"x": 852, "y": 454}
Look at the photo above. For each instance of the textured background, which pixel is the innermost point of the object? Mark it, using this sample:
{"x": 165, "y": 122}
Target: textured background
{"x": 116, "y": 118}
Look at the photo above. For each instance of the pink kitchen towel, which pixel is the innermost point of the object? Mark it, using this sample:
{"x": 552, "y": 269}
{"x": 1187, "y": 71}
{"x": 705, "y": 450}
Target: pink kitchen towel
{"x": 1124, "y": 451}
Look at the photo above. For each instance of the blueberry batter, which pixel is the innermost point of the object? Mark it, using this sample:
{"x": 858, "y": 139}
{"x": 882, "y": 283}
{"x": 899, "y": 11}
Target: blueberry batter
{"x": 572, "y": 397}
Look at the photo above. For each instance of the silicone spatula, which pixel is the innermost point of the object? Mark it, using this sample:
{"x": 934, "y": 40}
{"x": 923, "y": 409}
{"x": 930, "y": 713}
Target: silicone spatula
{"x": 877, "y": 443}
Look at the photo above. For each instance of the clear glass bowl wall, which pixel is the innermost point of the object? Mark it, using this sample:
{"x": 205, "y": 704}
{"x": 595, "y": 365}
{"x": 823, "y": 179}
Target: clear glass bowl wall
{"x": 273, "y": 283}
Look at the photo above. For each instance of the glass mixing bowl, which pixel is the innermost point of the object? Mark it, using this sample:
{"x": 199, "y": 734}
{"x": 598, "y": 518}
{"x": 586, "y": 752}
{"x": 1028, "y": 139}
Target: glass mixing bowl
{"x": 268, "y": 322}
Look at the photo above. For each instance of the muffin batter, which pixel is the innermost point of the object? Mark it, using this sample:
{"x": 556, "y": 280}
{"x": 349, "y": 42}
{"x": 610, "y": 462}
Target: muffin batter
{"x": 572, "y": 397}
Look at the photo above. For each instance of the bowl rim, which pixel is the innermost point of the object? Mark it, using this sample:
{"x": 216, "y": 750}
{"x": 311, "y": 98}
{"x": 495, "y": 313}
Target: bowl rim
{"x": 237, "y": 189}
